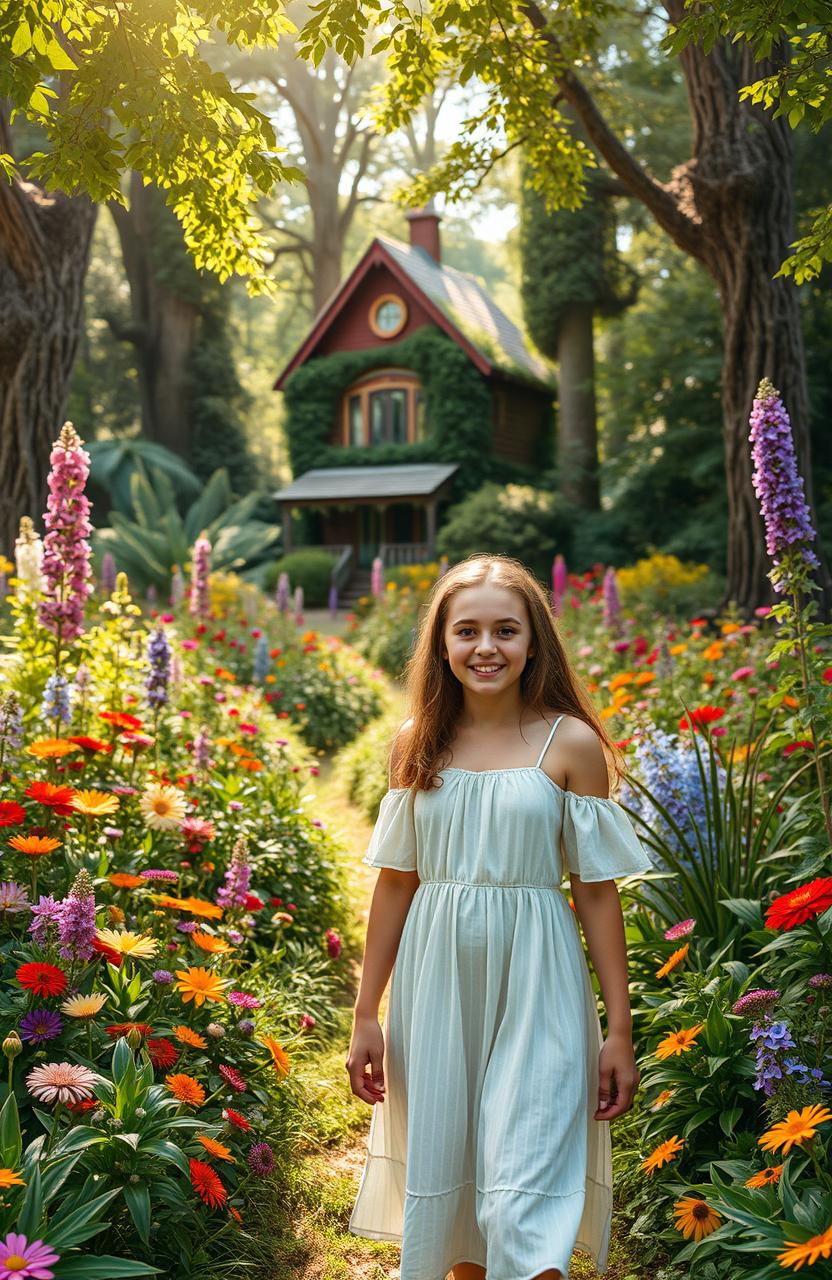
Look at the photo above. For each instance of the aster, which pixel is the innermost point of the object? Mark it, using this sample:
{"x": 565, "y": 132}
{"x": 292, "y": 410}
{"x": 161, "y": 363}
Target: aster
{"x": 66, "y": 551}
{"x": 39, "y": 1025}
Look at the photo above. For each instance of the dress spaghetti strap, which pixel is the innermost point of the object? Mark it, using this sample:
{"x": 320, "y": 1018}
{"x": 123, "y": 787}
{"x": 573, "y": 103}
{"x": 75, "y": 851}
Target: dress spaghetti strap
{"x": 548, "y": 740}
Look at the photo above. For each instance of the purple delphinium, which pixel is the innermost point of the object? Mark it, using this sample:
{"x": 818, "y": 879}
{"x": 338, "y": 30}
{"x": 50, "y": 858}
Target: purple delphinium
{"x": 261, "y": 1159}
{"x": 158, "y": 675}
{"x": 108, "y": 574}
{"x": 282, "y": 594}
{"x": 779, "y": 486}
{"x": 612, "y": 601}
{"x": 46, "y": 916}
{"x": 771, "y": 1039}
{"x": 13, "y": 897}
{"x": 237, "y": 877}
{"x": 667, "y": 766}
{"x": 76, "y": 927}
{"x": 200, "y": 571}
{"x": 40, "y": 1025}
{"x": 55, "y": 704}
{"x": 66, "y": 551}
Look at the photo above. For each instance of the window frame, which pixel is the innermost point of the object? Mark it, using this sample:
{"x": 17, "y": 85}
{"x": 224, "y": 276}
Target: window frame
{"x": 382, "y": 380}
{"x": 375, "y": 307}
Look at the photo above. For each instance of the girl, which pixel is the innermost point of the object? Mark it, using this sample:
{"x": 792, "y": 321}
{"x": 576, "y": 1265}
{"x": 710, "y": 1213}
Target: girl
{"x": 489, "y": 1148}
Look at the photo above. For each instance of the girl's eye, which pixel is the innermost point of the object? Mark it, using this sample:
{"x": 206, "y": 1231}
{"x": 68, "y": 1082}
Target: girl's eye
{"x": 508, "y": 630}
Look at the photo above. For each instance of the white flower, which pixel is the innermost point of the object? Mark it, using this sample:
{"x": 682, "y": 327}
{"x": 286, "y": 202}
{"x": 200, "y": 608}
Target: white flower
{"x": 164, "y": 808}
{"x": 28, "y": 555}
{"x": 61, "y": 1082}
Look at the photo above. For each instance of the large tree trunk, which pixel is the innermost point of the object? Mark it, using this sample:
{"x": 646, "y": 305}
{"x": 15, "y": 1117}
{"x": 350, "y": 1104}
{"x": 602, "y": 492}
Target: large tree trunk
{"x": 577, "y": 417}
{"x": 163, "y": 324}
{"x": 44, "y": 254}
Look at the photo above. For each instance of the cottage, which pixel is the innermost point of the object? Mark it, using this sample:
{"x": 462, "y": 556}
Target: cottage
{"x": 411, "y": 388}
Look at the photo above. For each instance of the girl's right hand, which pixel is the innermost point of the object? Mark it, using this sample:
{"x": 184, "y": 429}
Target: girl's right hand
{"x": 366, "y": 1048}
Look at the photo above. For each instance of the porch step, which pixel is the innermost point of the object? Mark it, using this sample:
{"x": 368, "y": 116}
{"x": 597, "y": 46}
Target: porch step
{"x": 358, "y": 585}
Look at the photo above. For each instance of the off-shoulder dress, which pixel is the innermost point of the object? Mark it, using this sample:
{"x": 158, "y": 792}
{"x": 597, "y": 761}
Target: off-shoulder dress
{"x": 485, "y": 1149}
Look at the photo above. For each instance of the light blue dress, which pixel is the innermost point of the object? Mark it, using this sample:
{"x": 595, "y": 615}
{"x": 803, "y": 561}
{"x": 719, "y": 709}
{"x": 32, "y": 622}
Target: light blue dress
{"x": 484, "y": 1149}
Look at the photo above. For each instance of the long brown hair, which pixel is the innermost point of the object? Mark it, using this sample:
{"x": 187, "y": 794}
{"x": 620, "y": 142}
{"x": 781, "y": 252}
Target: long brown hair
{"x": 435, "y": 695}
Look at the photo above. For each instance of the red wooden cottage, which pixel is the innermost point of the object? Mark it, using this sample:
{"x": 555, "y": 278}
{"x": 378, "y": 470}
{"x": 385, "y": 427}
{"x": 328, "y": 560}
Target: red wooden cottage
{"x": 400, "y": 456}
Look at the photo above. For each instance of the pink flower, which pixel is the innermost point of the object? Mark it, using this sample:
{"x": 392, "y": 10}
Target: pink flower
{"x": 680, "y": 930}
{"x": 19, "y": 1258}
{"x": 200, "y": 571}
{"x": 66, "y": 551}
{"x": 742, "y": 673}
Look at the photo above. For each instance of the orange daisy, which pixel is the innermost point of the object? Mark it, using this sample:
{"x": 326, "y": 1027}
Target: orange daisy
{"x": 215, "y": 1148}
{"x": 279, "y": 1056}
{"x": 185, "y": 1089}
{"x": 207, "y": 942}
{"x": 94, "y": 804}
{"x": 663, "y": 1154}
{"x": 678, "y": 1042}
{"x": 35, "y": 846}
{"x": 251, "y": 766}
{"x": 200, "y": 984}
{"x": 797, "y": 1128}
{"x": 800, "y": 1251}
{"x": 51, "y": 748}
{"x": 695, "y": 1217}
{"x": 765, "y": 1177}
{"x": 676, "y": 958}
{"x": 185, "y": 1036}
{"x": 124, "y": 880}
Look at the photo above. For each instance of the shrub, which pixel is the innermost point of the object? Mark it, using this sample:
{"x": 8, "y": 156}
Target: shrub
{"x": 514, "y": 519}
{"x": 309, "y": 569}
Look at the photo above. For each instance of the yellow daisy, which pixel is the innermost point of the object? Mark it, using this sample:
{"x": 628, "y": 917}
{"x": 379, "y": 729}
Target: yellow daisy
{"x": 765, "y": 1177}
{"x": 138, "y": 945}
{"x": 695, "y": 1217}
{"x": 94, "y": 804}
{"x": 678, "y": 1042}
{"x": 84, "y": 1006}
{"x": 809, "y": 1251}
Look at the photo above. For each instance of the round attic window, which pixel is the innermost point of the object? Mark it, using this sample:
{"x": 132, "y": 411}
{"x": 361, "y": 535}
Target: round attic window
{"x": 388, "y": 316}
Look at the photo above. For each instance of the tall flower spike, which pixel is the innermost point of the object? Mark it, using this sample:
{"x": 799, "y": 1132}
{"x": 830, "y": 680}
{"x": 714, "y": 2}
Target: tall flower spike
{"x": 158, "y": 675}
{"x": 237, "y": 877}
{"x": 28, "y": 556}
{"x": 200, "y": 571}
{"x": 282, "y": 597}
{"x": 779, "y": 486}
{"x": 108, "y": 574}
{"x": 612, "y": 601}
{"x": 76, "y": 926}
{"x": 559, "y": 582}
{"x": 56, "y": 698}
{"x": 177, "y": 587}
{"x": 66, "y": 551}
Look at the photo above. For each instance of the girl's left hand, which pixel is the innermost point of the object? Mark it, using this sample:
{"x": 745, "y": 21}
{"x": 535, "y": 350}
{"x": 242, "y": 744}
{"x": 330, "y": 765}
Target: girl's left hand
{"x": 618, "y": 1077}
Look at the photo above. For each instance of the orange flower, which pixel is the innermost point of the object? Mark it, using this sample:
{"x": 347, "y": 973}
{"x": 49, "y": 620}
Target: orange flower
{"x": 215, "y": 1148}
{"x": 672, "y": 961}
{"x": 35, "y": 846}
{"x": 279, "y": 1056}
{"x": 206, "y": 942}
{"x": 185, "y": 1036}
{"x": 251, "y": 766}
{"x": 196, "y": 906}
{"x": 797, "y": 1128}
{"x": 57, "y": 798}
{"x": 199, "y": 985}
{"x": 800, "y": 1251}
{"x": 51, "y": 748}
{"x": 678, "y": 1041}
{"x": 663, "y": 1154}
{"x": 185, "y": 1089}
{"x": 94, "y": 804}
{"x": 800, "y": 904}
{"x": 206, "y": 1183}
{"x": 765, "y": 1177}
{"x": 122, "y": 719}
{"x": 124, "y": 880}
{"x": 695, "y": 1217}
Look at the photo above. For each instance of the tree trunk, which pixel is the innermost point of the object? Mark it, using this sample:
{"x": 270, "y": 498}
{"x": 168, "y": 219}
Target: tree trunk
{"x": 577, "y": 419}
{"x": 44, "y": 254}
{"x": 163, "y": 326}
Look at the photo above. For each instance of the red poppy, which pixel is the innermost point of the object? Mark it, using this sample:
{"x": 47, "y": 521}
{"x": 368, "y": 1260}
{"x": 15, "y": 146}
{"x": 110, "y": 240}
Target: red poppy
{"x": 44, "y": 979}
{"x": 121, "y": 1029}
{"x": 54, "y": 797}
{"x": 120, "y": 718}
{"x": 90, "y": 744}
{"x": 162, "y": 1053}
{"x": 109, "y": 953}
{"x": 234, "y": 1117}
{"x": 801, "y": 904}
{"x": 11, "y": 813}
{"x": 702, "y": 715}
{"x": 207, "y": 1183}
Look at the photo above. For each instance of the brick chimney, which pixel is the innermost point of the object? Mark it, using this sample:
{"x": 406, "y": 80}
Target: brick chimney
{"x": 424, "y": 231}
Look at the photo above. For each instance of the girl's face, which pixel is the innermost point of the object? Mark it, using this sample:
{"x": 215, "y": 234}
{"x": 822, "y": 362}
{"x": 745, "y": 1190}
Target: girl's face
{"x": 487, "y": 637}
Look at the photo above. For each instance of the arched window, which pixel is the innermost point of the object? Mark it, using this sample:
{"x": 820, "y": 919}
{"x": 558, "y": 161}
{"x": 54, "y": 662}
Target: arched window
{"x": 384, "y": 407}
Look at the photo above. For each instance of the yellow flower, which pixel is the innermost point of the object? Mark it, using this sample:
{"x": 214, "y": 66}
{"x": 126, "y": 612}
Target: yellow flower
{"x": 94, "y": 804}
{"x": 797, "y": 1128}
{"x": 164, "y": 808}
{"x": 678, "y": 1041}
{"x": 695, "y": 1217}
{"x": 279, "y": 1056}
{"x": 663, "y": 1153}
{"x": 199, "y": 985}
{"x": 809, "y": 1251}
{"x": 51, "y": 748}
{"x": 672, "y": 961}
{"x": 138, "y": 945}
{"x": 8, "y": 1178}
{"x": 84, "y": 1006}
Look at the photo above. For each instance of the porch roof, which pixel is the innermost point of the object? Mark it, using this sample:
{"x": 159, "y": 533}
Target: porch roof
{"x": 357, "y": 484}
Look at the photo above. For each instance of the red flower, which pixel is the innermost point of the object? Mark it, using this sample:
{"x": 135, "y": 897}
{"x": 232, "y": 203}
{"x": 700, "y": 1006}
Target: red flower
{"x": 55, "y": 797}
{"x": 91, "y": 744}
{"x": 109, "y": 953}
{"x": 162, "y": 1053}
{"x": 121, "y": 1028}
{"x": 796, "y": 746}
{"x": 43, "y": 979}
{"x": 702, "y": 715}
{"x": 207, "y": 1183}
{"x": 234, "y": 1117}
{"x": 11, "y": 813}
{"x": 827, "y": 675}
{"x": 253, "y": 903}
{"x": 120, "y": 718}
{"x": 801, "y": 904}
{"x": 231, "y": 1076}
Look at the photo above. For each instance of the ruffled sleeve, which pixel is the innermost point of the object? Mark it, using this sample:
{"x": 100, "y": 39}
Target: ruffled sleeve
{"x": 598, "y": 841}
{"x": 393, "y": 842}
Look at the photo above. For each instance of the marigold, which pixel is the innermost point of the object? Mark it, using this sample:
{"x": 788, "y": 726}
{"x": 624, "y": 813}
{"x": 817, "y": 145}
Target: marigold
{"x": 199, "y": 984}
{"x": 95, "y": 804}
{"x": 207, "y": 1184}
{"x": 214, "y": 1148}
{"x": 664, "y": 1152}
{"x": 797, "y": 1128}
{"x": 678, "y": 1042}
{"x": 35, "y": 846}
{"x": 695, "y": 1217}
{"x": 279, "y": 1056}
{"x": 191, "y": 1038}
{"x": 185, "y": 1089}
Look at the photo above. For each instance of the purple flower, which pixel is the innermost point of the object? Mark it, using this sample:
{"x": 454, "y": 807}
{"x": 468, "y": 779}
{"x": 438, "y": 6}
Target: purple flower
{"x": 237, "y": 877}
{"x": 754, "y": 1003}
{"x": 158, "y": 675}
{"x": 32, "y": 1259}
{"x": 202, "y": 749}
{"x": 559, "y": 581}
{"x": 11, "y": 724}
{"x": 76, "y": 927}
{"x": 114, "y": 833}
{"x": 779, "y": 486}
{"x": 245, "y": 1027}
{"x": 55, "y": 703}
{"x": 46, "y": 915}
{"x": 187, "y": 926}
{"x": 108, "y": 574}
{"x": 200, "y": 570}
{"x": 820, "y": 980}
{"x": 13, "y": 897}
{"x": 612, "y": 601}
{"x": 261, "y": 1159}
{"x": 40, "y": 1025}
{"x": 66, "y": 551}
{"x": 243, "y": 1000}
{"x": 163, "y": 977}
{"x": 282, "y": 596}
{"x": 157, "y": 873}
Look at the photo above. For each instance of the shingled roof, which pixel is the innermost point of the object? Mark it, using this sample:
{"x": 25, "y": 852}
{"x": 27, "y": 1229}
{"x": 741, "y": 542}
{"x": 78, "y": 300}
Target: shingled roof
{"x": 334, "y": 484}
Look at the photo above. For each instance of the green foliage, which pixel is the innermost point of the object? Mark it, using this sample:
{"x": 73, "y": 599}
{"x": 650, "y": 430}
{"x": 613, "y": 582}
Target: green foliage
{"x": 569, "y": 257}
{"x": 310, "y": 569}
{"x": 516, "y": 520}
{"x": 178, "y": 123}
{"x": 154, "y": 537}
{"x": 113, "y": 463}
{"x": 362, "y": 766}
{"x": 330, "y": 700}
{"x": 457, "y": 410}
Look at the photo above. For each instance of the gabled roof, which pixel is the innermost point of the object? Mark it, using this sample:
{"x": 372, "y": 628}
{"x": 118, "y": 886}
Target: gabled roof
{"x": 455, "y": 301}
{"x": 402, "y": 480}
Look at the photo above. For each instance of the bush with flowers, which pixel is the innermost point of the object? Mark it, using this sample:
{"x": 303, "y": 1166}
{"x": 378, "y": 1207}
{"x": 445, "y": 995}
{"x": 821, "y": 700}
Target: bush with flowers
{"x": 171, "y": 922}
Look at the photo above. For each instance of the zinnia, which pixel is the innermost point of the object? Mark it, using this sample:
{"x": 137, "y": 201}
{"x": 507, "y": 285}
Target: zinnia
{"x": 61, "y": 1082}
{"x": 11, "y": 813}
{"x": 800, "y": 904}
{"x": 186, "y": 1089}
{"x": 162, "y": 1053}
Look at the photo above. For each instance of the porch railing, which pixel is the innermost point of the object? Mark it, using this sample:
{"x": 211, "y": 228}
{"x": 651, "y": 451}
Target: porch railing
{"x": 393, "y": 553}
